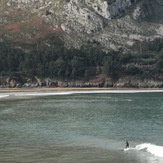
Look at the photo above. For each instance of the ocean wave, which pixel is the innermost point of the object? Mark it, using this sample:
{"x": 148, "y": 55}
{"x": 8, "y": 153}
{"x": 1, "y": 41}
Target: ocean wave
{"x": 3, "y": 96}
{"x": 43, "y": 93}
{"x": 53, "y": 93}
{"x": 83, "y": 92}
{"x": 151, "y": 148}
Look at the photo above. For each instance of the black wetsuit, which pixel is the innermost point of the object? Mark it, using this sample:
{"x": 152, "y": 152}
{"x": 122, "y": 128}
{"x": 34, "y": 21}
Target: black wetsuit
{"x": 127, "y": 144}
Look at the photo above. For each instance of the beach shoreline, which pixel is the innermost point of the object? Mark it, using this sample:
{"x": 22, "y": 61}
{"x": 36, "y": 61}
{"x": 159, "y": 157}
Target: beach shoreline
{"x": 46, "y": 89}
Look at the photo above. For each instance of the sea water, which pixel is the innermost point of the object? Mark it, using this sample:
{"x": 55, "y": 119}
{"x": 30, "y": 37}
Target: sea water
{"x": 81, "y": 127}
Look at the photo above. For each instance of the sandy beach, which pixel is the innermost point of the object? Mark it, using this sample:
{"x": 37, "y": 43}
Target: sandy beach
{"x": 40, "y": 89}
{"x": 49, "y": 89}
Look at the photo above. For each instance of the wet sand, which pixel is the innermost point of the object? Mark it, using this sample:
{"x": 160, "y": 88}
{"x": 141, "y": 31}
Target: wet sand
{"x": 40, "y": 89}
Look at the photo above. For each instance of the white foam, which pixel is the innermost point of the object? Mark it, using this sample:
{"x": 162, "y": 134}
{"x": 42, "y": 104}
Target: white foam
{"x": 3, "y": 96}
{"x": 127, "y": 149}
{"x": 83, "y": 92}
{"x": 43, "y": 93}
{"x": 151, "y": 148}
{"x": 52, "y": 93}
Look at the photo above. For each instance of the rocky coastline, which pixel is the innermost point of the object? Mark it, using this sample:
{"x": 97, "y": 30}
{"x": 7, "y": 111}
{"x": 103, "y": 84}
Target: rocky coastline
{"x": 48, "y": 83}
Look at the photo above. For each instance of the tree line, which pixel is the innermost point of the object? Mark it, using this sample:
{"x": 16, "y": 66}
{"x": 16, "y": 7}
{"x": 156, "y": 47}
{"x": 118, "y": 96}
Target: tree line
{"x": 57, "y": 62}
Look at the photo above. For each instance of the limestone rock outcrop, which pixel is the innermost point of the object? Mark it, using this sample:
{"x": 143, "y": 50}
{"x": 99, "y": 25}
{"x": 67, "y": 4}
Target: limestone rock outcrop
{"x": 110, "y": 24}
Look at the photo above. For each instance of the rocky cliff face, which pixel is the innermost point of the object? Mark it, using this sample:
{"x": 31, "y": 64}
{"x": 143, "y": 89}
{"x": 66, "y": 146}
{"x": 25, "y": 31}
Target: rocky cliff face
{"x": 110, "y": 24}
{"x": 113, "y": 25}
{"x": 6, "y": 82}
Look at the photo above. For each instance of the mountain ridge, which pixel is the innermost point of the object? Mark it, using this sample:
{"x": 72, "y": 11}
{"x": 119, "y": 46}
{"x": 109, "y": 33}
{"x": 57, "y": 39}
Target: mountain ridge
{"x": 113, "y": 24}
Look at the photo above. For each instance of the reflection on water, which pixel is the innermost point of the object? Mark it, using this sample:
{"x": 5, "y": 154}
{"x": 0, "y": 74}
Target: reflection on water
{"x": 80, "y": 128}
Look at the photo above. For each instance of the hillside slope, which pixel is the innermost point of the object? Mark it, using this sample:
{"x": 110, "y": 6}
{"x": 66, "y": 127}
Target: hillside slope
{"x": 81, "y": 43}
{"x": 110, "y": 24}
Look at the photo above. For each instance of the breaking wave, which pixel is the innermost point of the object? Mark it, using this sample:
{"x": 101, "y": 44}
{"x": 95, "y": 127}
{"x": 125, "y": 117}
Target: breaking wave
{"x": 3, "y": 96}
{"x": 52, "y": 93}
{"x": 151, "y": 148}
{"x": 89, "y": 92}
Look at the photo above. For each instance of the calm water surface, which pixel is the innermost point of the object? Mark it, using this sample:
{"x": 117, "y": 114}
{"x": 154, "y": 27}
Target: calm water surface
{"x": 83, "y": 127}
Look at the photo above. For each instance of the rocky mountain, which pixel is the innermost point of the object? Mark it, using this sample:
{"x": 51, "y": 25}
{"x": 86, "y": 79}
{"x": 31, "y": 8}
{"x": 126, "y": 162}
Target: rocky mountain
{"x": 110, "y": 24}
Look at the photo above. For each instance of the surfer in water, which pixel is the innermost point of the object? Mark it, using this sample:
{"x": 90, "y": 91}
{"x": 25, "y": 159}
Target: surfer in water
{"x": 127, "y": 144}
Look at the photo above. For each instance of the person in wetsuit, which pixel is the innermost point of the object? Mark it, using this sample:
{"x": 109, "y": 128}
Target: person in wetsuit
{"x": 127, "y": 144}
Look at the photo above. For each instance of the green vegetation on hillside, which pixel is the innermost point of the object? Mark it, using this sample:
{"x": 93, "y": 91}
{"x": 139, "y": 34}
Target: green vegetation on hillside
{"x": 60, "y": 63}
